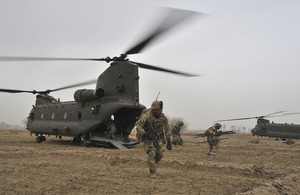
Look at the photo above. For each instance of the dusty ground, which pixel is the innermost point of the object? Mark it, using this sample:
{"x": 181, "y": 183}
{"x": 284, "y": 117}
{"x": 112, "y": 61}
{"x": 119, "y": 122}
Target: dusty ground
{"x": 58, "y": 167}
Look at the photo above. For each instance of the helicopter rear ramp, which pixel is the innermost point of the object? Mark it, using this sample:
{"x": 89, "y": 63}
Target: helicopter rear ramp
{"x": 118, "y": 142}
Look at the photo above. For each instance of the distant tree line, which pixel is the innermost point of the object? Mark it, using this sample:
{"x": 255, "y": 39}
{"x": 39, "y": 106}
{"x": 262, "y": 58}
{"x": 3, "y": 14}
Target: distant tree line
{"x": 237, "y": 129}
{"x": 6, "y": 126}
{"x": 174, "y": 120}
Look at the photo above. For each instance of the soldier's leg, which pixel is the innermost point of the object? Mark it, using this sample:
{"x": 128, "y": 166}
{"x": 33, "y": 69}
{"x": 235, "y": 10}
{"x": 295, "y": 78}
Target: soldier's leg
{"x": 217, "y": 142}
{"x": 180, "y": 141}
{"x": 173, "y": 139}
{"x": 176, "y": 140}
{"x": 210, "y": 148}
{"x": 217, "y": 146}
{"x": 152, "y": 161}
{"x": 113, "y": 131}
{"x": 159, "y": 154}
{"x": 149, "y": 149}
{"x": 214, "y": 148}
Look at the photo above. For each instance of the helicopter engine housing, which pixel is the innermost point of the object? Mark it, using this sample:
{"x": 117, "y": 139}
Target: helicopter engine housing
{"x": 85, "y": 95}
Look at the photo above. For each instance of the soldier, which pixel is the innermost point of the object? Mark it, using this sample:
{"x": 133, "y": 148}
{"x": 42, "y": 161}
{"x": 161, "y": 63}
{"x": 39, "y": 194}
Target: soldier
{"x": 110, "y": 129}
{"x": 211, "y": 139}
{"x": 176, "y": 139}
{"x": 154, "y": 119}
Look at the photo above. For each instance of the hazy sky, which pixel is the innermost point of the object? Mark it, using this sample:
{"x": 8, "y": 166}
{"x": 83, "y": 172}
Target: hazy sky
{"x": 247, "y": 50}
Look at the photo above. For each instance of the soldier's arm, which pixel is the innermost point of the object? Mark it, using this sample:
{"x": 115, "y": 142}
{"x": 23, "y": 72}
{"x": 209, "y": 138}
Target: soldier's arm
{"x": 173, "y": 129}
{"x": 141, "y": 124}
{"x": 167, "y": 130}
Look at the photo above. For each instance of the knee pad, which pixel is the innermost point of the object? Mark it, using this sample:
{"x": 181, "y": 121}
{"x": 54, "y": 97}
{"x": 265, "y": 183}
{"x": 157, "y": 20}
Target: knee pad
{"x": 151, "y": 154}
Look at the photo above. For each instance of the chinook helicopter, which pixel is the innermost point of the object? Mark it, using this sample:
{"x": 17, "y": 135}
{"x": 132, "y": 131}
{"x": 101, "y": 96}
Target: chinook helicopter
{"x": 265, "y": 128}
{"x": 116, "y": 96}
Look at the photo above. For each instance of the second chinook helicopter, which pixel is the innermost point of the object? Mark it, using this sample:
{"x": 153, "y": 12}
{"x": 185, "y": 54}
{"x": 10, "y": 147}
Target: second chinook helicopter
{"x": 265, "y": 128}
{"x": 116, "y": 96}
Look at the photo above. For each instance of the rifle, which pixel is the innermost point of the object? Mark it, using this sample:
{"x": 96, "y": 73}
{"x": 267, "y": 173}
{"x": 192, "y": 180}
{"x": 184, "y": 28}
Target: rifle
{"x": 207, "y": 141}
{"x": 152, "y": 135}
{"x": 217, "y": 134}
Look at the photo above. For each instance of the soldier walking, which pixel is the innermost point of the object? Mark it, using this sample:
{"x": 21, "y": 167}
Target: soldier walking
{"x": 153, "y": 129}
{"x": 110, "y": 129}
{"x": 176, "y": 139}
{"x": 212, "y": 139}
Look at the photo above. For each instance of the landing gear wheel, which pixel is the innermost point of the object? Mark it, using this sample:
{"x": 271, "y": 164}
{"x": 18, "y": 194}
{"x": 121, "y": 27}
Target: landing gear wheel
{"x": 39, "y": 139}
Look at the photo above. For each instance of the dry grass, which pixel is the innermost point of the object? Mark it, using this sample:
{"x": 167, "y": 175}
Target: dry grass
{"x": 58, "y": 167}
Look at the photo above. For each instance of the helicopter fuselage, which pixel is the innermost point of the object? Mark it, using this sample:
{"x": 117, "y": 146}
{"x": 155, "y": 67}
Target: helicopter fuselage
{"x": 277, "y": 130}
{"x": 116, "y": 95}
{"x": 73, "y": 119}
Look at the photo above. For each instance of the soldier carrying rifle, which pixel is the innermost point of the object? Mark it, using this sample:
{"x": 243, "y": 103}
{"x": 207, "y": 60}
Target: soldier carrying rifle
{"x": 212, "y": 137}
{"x": 176, "y": 139}
{"x": 153, "y": 129}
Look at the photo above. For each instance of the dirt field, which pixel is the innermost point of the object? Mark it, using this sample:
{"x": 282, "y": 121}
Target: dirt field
{"x": 58, "y": 167}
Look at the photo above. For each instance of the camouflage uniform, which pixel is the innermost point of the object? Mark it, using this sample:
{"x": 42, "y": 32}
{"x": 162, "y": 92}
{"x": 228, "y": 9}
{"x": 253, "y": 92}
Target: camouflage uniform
{"x": 212, "y": 140}
{"x": 160, "y": 124}
{"x": 110, "y": 129}
{"x": 176, "y": 139}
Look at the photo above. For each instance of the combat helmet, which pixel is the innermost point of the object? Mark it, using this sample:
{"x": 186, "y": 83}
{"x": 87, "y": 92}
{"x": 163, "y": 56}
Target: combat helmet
{"x": 180, "y": 123}
{"x": 218, "y": 125}
{"x": 157, "y": 105}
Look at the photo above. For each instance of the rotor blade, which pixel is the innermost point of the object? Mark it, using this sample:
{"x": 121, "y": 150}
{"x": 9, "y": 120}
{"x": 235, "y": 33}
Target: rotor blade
{"x": 265, "y": 116}
{"x": 11, "y": 58}
{"x": 174, "y": 17}
{"x": 268, "y": 115}
{"x": 74, "y": 85}
{"x": 285, "y": 114}
{"x": 15, "y": 91}
{"x": 237, "y": 119}
{"x": 146, "y": 66}
{"x": 49, "y": 90}
{"x": 291, "y": 113}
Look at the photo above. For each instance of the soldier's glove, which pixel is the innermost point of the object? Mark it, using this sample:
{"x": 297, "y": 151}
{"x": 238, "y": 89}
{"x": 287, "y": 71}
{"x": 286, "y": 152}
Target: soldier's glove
{"x": 169, "y": 145}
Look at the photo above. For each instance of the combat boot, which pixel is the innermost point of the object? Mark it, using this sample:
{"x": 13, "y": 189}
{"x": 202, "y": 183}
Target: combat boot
{"x": 152, "y": 175}
{"x": 210, "y": 153}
